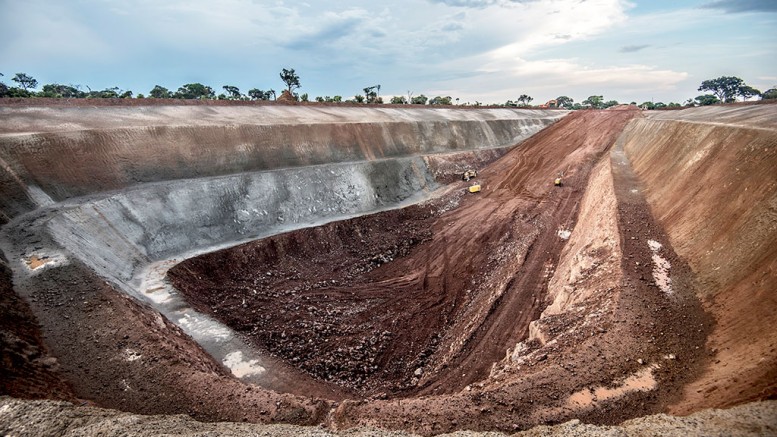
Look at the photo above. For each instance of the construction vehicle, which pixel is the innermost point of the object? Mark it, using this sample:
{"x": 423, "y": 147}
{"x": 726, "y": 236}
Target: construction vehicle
{"x": 474, "y": 189}
{"x": 469, "y": 174}
{"x": 557, "y": 182}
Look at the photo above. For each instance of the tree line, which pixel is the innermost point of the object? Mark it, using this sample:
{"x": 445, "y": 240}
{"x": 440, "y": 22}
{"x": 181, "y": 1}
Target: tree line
{"x": 725, "y": 89}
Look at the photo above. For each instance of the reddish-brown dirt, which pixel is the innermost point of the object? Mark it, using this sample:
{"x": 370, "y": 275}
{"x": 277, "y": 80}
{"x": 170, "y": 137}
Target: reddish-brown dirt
{"x": 716, "y": 194}
{"x": 26, "y": 369}
{"x": 320, "y": 299}
{"x": 425, "y": 301}
{"x": 419, "y": 318}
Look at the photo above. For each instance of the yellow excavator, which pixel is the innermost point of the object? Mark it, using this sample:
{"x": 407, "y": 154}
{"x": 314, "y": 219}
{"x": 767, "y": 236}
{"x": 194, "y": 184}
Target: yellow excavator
{"x": 557, "y": 182}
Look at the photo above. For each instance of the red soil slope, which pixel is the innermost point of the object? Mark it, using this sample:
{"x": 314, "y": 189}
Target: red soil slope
{"x": 713, "y": 186}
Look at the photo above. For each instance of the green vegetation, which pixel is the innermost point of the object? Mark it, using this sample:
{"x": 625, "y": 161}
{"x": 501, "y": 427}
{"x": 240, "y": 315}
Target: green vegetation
{"x": 441, "y": 101}
{"x": 524, "y": 100}
{"x": 564, "y": 102}
{"x": 595, "y": 102}
{"x": 194, "y": 91}
{"x": 419, "y": 100}
{"x": 728, "y": 88}
{"x": 725, "y": 89}
{"x": 160, "y": 92}
{"x": 291, "y": 79}
{"x": 371, "y": 94}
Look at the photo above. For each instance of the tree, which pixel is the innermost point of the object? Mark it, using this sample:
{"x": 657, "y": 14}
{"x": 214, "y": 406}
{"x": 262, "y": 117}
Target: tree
{"x": 398, "y": 100}
{"x": 371, "y": 94}
{"x": 160, "y": 92}
{"x": 419, "y": 100}
{"x": 257, "y": 94}
{"x": 595, "y": 102}
{"x": 195, "y": 91}
{"x": 647, "y": 105}
{"x": 769, "y": 94}
{"x": 524, "y": 99}
{"x": 126, "y": 95}
{"x": 108, "y": 93}
{"x": 747, "y": 91}
{"x": 441, "y": 100}
{"x": 304, "y": 97}
{"x": 25, "y": 81}
{"x": 291, "y": 79}
{"x": 358, "y": 98}
{"x": 610, "y": 103}
{"x": 564, "y": 102}
{"x": 728, "y": 88}
{"x": 706, "y": 99}
{"x": 233, "y": 92}
{"x": 61, "y": 91}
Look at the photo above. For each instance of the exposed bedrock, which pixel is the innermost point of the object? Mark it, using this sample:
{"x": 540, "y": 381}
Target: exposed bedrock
{"x": 52, "y": 154}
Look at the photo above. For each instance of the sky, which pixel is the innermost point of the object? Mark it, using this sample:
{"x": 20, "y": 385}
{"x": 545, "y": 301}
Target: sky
{"x": 487, "y": 51}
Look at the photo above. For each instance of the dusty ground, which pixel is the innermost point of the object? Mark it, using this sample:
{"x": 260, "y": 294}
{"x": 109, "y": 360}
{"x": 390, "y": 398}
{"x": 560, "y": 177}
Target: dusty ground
{"x": 36, "y": 418}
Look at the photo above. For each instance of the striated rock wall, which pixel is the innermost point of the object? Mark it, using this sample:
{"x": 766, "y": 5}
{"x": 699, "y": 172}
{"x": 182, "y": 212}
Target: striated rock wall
{"x": 50, "y": 154}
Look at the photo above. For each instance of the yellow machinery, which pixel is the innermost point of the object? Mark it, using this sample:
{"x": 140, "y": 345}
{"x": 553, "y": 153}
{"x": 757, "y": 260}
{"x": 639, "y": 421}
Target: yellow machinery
{"x": 557, "y": 182}
{"x": 469, "y": 174}
{"x": 474, "y": 189}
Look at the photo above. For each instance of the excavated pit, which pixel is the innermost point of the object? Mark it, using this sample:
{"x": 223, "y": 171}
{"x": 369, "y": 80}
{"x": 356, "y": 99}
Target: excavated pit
{"x": 323, "y": 265}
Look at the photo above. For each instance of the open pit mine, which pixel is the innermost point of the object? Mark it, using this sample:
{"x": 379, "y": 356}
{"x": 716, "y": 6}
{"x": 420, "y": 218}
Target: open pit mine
{"x": 182, "y": 268}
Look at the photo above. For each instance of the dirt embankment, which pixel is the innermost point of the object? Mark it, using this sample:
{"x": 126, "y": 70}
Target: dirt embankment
{"x": 711, "y": 182}
{"x": 26, "y": 368}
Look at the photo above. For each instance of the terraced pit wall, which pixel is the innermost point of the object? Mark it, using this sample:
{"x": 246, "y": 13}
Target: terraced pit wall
{"x": 710, "y": 179}
{"x": 192, "y": 177}
{"x": 51, "y": 154}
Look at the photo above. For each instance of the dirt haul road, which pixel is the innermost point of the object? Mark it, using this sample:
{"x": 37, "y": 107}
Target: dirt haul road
{"x": 523, "y": 304}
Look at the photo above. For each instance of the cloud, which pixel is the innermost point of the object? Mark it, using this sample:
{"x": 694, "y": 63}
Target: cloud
{"x": 335, "y": 26}
{"x": 547, "y": 78}
{"x": 633, "y": 48}
{"x": 479, "y": 4}
{"x": 738, "y": 6}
